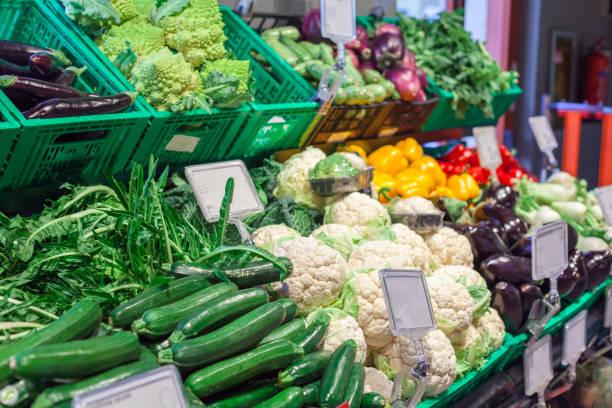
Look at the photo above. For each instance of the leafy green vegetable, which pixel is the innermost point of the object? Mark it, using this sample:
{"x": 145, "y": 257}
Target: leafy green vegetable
{"x": 286, "y": 211}
{"x": 92, "y": 15}
{"x": 334, "y": 165}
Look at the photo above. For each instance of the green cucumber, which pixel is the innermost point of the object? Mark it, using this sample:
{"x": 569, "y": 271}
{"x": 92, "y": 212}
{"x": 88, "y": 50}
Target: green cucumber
{"x": 356, "y": 95}
{"x": 238, "y": 336}
{"x": 352, "y": 73}
{"x": 155, "y": 296}
{"x": 76, "y": 359}
{"x": 378, "y": 91}
{"x": 301, "y": 69}
{"x": 65, "y": 392}
{"x": 372, "y": 76}
{"x": 307, "y": 369}
{"x": 287, "y": 331}
{"x": 373, "y": 400}
{"x": 285, "y": 31}
{"x": 295, "y": 48}
{"x": 389, "y": 87}
{"x": 238, "y": 369}
{"x": 283, "y": 51}
{"x": 336, "y": 375}
{"x": 291, "y": 397}
{"x": 313, "y": 49}
{"x": 253, "y": 274}
{"x": 161, "y": 321}
{"x": 78, "y": 322}
{"x": 354, "y": 389}
{"x": 291, "y": 308}
{"x": 192, "y": 400}
{"x": 247, "y": 398}
{"x": 219, "y": 312}
{"x": 340, "y": 97}
{"x": 327, "y": 54}
{"x": 311, "y": 338}
{"x": 311, "y": 393}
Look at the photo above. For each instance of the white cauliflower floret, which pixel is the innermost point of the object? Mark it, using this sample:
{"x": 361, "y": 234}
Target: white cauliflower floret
{"x": 473, "y": 282}
{"x": 375, "y": 381}
{"x": 293, "y": 181}
{"x": 422, "y": 256}
{"x": 372, "y": 313}
{"x": 450, "y": 247}
{"x": 357, "y": 209}
{"x": 452, "y": 305}
{"x": 403, "y": 356}
{"x": 343, "y": 327}
{"x": 491, "y": 328}
{"x": 318, "y": 273}
{"x": 338, "y": 236}
{"x": 470, "y": 351}
{"x": 355, "y": 160}
{"x": 380, "y": 255}
{"x": 266, "y": 236}
{"x": 414, "y": 205}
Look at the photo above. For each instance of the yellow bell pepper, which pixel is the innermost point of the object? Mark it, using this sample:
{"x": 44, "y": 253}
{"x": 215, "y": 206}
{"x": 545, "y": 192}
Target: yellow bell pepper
{"x": 410, "y": 148}
{"x": 388, "y": 159}
{"x": 384, "y": 181}
{"x": 407, "y": 189}
{"x": 422, "y": 178}
{"x": 442, "y": 192}
{"x": 431, "y": 166}
{"x": 464, "y": 186}
{"x": 353, "y": 148}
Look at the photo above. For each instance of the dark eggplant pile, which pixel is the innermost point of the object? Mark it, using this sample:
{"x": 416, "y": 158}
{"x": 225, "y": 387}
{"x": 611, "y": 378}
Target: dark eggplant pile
{"x": 502, "y": 254}
{"x": 39, "y": 81}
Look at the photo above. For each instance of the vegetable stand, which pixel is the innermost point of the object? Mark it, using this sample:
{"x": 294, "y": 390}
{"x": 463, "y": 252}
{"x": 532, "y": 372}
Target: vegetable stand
{"x": 9, "y": 130}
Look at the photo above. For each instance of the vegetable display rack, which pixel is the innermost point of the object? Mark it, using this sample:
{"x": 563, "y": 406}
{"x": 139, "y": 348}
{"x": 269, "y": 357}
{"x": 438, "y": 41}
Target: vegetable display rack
{"x": 9, "y": 130}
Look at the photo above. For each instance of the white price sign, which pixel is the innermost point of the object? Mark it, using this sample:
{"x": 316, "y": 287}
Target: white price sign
{"x": 208, "y": 183}
{"x": 574, "y": 338}
{"x": 549, "y": 252}
{"x": 338, "y": 20}
{"x": 159, "y": 388}
{"x": 544, "y": 135}
{"x": 408, "y": 303}
{"x": 488, "y": 147}
{"x": 604, "y": 196}
{"x": 537, "y": 366}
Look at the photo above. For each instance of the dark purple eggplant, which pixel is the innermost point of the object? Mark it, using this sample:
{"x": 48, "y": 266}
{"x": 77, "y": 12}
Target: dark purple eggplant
{"x": 598, "y": 267}
{"x": 485, "y": 242}
{"x": 572, "y": 238}
{"x": 509, "y": 268}
{"x": 497, "y": 229}
{"x": 38, "y": 88}
{"x": 581, "y": 279}
{"x": 502, "y": 195}
{"x": 20, "y": 53}
{"x": 507, "y": 300}
{"x": 529, "y": 294}
{"x": 9, "y": 68}
{"x": 87, "y": 105}
{"x": 511, "y": 223}
{"x": 69, "y": 76}
{"x": 522, "y": 247}
{"x": 22, "y": 101}
{"x": 571, "y": 274}
{"x": 44, "y": 65}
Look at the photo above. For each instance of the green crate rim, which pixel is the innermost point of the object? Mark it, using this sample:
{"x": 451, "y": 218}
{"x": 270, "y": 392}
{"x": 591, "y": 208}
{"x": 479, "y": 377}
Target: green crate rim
{"x": 7, "y": 121}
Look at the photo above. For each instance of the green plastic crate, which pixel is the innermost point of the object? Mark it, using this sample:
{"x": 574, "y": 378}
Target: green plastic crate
{"x": 9, "y": 131}
{"x": 55, "y": 150}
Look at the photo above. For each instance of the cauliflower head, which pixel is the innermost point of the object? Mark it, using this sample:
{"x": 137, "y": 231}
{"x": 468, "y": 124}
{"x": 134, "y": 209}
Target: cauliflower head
{"x": 473, "y": 282}
{"x": 340, "y": 237}
{"x": 137, "y": 34}
{"x": 450, "y": 247}
{"x": 470, "y": 351}
{"x": 379, "y": 255}
{"x": 422, "y": 256}
{"x": 357, "y": 209}
{"x": 318, "y": 273}
{"x": 266, "y": 236}
{"x": 342, "y": 327}
{"x": 452, "y": 305}
{"x": 292, "y": 180}
{"x": 372, "y": 314}
{"x": 376, "y": 381}
{"x": 414, "y": 205}
{"x": 167, "y": 81}
{"x": 491, "y": 328}
{"x": 403, "y": 356}
{"x": 355, "y": 160}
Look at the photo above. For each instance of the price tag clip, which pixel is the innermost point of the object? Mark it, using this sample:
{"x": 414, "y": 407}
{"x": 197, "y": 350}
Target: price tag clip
{"x": 574, "y": 342}
{"x": 538, "y": 369}
{"x": 488, "y": 149}
{"x": 547, "y": 143}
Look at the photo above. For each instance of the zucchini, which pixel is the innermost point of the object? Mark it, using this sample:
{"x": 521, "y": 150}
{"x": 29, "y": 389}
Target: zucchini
{"x": 253, "y": 274}
{"x": 373, "y": 400}
{"x": 340, "y": 98}
{"x": 372, "y": 76}
{"x": 327, "y": 54}
{"x": 354, "y": 389}
{"x": 295, "y": 48}
{"x": 284, "y": 52}
{"x": 79, "y": 321}
{"x": 378, "y": 91}
{"x": 389, "y": 87}
{"x": 310, "y": 339}
{"x": 291, "y": 397}
{"x": 155, "y": 296}
{"x": 238, "y": 336}
{"x": 301, "y": 69}
{"x": 356, "y": 95}
{"x": 192, "y": 399}
{"x": 65, "y": 392}
{"x": 307, "y": 369}
{"x": 219, "y": 312}
{"x": 162, "y": 320}
{"x": 76, "y": 359}
{"x": 285, "y": 31}
{"x": 311, "y": 393}
{"x": 247, "y": 398}
{"x": 287, "y": 331}
{"x": 238, "y": 369}
{"x": 336, "y": 375}
{"x": 291, "y": 308}
{"x": 313, "y": 49}
{"x": 352, "y": 73}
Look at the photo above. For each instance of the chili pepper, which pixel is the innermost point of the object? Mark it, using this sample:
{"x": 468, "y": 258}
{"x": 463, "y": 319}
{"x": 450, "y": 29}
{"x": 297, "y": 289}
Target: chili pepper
{"x": 507, "y": 156}
{"x": 411, "y": 148}
{"x": 471, "y": 157}
{"x": 353, "y": 148}
{"x": 408, "y": 189}
{"x": 388, "y": 159}
{"x": 455, "y": 154}
{"x": 442, "y": 192}
{"x": 384, "y": 185}
{"x": 480, "y": 174}
{"x": 423, "y": 178}
{"x": 464, "y": 186}
{"x": 431, "y": 166}
{"x": 509, "y": 174}
{"x": 460, "y": 168}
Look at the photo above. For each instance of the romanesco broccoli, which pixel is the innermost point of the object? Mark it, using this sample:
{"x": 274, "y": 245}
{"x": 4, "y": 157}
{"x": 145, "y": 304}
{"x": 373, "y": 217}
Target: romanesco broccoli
{"x": 126, "y": 8}
{"x": 137, "y": 34}
{"x": 234, "y": 73}
{"x": 168, "y": 81}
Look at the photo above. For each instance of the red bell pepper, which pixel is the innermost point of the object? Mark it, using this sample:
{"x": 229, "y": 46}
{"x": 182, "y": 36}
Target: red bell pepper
{"x": 480, "y": 174}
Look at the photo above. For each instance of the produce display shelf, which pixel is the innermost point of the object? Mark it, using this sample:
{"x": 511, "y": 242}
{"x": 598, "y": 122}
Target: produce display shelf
{"x": 9, "y": 131}
{"x": 62, "y": 148}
